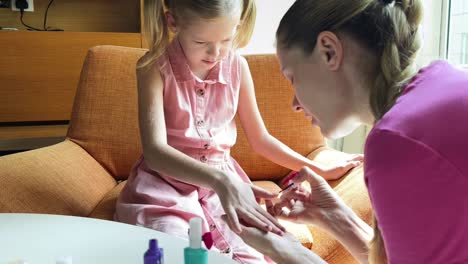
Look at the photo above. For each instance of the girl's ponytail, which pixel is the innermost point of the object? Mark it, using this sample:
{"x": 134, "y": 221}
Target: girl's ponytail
{"x": 248, "y": 17}
{"x": 155, "y": 31}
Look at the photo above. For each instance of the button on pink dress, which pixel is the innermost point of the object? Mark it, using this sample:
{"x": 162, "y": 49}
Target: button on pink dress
{"x": 200, "y": 122}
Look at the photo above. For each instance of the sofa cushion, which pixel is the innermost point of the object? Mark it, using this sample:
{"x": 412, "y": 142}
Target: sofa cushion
{"x": 105, "y": 113}
{"x": 59, "y": 179}
{"x": 106, "y": 207}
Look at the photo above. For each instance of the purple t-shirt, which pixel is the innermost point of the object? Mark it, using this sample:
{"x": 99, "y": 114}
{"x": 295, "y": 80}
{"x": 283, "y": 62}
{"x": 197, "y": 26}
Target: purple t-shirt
{"x": 416, "y": 169}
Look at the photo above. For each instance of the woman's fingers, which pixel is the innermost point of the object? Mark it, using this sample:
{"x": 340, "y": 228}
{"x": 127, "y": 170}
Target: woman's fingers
{"x": 306, "y": 174}
{"x": 356, "y": 157}
{"x": 273, "y": 209}
{"x": 296, "y": 194}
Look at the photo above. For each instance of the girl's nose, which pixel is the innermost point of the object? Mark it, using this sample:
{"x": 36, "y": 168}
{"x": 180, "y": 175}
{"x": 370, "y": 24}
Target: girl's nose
{"x": 296, "y": 105}
{"x": 214, "y": 50}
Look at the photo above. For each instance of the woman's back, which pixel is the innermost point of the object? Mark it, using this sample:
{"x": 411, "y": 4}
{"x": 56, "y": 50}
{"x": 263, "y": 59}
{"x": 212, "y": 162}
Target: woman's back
{"x": 416, "y": 169}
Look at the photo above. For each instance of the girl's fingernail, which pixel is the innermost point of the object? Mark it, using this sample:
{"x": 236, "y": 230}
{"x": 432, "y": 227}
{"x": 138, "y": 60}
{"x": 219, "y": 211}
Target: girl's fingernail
{"x": 287, "y": 187}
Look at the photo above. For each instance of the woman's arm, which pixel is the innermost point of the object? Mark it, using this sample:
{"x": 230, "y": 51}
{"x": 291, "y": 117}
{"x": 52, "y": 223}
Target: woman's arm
{"x": 282, "y": 249}
{"x": 270, "y": 147}
{"x": 238, "y": 198}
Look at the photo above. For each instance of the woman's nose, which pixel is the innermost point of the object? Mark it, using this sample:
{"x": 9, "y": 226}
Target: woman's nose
{"x": 296, "y": 105}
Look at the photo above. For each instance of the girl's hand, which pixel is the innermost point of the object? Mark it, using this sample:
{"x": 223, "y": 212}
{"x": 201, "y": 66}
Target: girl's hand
{"x": 338, "y": 170}
{"x": 268, "y": 243}
{"x": 238, "y": 200}
{"x": 313, "y": 207}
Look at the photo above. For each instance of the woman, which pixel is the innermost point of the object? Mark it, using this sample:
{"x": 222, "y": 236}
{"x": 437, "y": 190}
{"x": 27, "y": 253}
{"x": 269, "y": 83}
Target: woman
{"x": 352, "y": 62}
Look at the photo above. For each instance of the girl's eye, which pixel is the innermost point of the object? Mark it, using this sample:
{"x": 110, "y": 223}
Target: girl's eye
{"x": 200, "y": 42}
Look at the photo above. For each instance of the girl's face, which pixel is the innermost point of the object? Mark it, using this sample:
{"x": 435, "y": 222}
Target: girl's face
{"x": 322, "y": 93}
{"x": 207, "y": 41}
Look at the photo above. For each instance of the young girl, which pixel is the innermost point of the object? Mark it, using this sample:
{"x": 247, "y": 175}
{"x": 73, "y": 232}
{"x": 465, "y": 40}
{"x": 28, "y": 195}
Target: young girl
{"x": 190, "y": 90}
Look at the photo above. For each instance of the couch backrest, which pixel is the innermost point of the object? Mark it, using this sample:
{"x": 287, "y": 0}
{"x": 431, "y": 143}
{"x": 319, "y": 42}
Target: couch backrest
{"x": 274, "y": 97}
{"x": 105, "y": 116}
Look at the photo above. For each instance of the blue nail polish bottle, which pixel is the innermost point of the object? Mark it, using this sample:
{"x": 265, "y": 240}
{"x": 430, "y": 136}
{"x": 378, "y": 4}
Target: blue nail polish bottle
{"x": 154, "y": 254}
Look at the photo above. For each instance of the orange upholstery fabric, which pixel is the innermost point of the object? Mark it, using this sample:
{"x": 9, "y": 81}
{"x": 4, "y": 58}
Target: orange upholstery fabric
{"x": 105, "y": 113}
{"x": 60, "y": 179}
{"x": 274, "y": 97}
{"x": 106, "y": 208}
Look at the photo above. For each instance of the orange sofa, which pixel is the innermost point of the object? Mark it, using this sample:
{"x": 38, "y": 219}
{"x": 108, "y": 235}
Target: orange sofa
{"x": 83, "y": 175}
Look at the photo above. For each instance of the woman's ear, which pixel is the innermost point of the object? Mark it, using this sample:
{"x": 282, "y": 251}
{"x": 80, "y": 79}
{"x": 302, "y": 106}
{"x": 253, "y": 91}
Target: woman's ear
{"x": 171, "y": 23}
{"x": 330, "y": 49}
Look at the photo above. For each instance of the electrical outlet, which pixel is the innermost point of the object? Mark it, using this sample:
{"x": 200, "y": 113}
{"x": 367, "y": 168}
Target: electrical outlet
{"x": 4, "y": 3}
{"x": 29, "y": 9}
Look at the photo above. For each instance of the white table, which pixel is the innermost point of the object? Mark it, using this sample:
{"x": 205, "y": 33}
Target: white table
{"x": 41, "y": 239}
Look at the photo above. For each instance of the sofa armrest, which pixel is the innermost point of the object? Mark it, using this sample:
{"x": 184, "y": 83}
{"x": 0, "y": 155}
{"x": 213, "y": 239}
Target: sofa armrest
{"x": 59, "y": 179}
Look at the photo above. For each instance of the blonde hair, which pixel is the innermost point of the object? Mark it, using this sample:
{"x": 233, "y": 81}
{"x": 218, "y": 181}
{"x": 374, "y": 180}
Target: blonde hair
{"x": 388, "y": 29}
{"x": 155, "y": 28}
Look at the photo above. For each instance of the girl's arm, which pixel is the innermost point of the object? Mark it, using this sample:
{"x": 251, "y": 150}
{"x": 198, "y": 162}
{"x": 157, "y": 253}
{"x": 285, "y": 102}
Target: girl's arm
{"x": 265, "y": 144}
{"x": 238, "y": 198}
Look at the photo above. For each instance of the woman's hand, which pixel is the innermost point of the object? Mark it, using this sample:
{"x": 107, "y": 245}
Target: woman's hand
{"x": 238, "y": 201}
{"x": 341, "y": 168}
{"x": 314, "y": 207}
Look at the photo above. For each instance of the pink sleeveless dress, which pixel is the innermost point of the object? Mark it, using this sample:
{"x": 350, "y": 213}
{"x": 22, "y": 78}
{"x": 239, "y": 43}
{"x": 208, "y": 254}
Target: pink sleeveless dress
{"x": 200, "y": 122}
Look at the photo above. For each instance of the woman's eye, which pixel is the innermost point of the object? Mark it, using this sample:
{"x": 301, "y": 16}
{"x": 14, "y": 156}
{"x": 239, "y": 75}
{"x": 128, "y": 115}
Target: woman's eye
{"x": 200, "y": 42}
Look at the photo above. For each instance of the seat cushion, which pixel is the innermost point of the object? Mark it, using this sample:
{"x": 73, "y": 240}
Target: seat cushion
{"x": 106, "y": 207}
{"x": 59, "y": 179}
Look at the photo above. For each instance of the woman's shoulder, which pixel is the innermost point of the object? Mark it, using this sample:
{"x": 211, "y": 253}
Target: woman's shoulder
{"x": 433, "y": 105}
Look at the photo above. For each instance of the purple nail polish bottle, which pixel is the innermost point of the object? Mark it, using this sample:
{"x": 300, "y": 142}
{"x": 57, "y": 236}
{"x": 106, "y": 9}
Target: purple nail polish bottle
{"x": 154, "y": 254}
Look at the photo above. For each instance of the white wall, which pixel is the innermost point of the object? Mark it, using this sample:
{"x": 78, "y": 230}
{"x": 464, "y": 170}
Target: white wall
{"x": 269, "y": 14}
